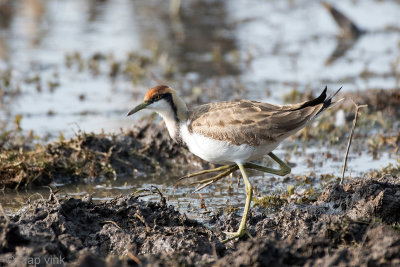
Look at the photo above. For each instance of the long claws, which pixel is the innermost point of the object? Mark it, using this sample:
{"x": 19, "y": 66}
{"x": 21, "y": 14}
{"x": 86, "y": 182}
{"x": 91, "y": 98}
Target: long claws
{"x": 235, "y": 235}
{"x": 203, "y": 186}
{"x": 231, "y": 168}
{"x": 219, "y": 176}
{"x": 205, "y": 171}
{"x": 206, "y": 182}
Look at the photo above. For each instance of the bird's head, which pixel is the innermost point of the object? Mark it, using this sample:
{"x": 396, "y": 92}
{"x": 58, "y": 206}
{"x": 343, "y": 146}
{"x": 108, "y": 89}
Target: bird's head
{"x": 157, "y": 98}
{"x": 163, "y": 100}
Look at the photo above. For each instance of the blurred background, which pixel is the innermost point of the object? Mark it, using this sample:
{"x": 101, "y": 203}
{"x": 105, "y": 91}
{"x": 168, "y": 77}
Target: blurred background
{"x": 67, "y": 65}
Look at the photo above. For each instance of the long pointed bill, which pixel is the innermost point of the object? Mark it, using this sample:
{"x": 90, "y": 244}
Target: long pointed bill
{"x": 137, "y": 108}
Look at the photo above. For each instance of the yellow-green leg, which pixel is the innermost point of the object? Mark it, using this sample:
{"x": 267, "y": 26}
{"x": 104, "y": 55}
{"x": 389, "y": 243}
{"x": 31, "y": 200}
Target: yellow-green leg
{"x": 249, "y": 193}
{"x": 228, "y": 169}
{"x": 284, "y": 168}
{"x": 206, "y": 182}
{"x": 206, "y": 171}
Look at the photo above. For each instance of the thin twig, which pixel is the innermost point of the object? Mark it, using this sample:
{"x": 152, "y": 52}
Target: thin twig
{"x": 143, "y": 221}
{"x": 4, "y": 213}
{"x": 114, "y": 223}
{"x": 134, "y": 258}
{"x": 174, "y": 7}
{"x": 350, "y": 138}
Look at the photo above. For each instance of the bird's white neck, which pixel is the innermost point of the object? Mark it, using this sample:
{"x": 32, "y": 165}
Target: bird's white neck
{"x": 174, "y": 112}
{"x": 172, "y": 125}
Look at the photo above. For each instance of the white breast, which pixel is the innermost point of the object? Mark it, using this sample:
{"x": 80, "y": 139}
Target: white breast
{"x": 220, "y": 152}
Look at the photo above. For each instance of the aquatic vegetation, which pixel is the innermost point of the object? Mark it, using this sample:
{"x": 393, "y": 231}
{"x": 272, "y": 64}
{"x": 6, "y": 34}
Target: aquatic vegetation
{"x": 272, "y": 201}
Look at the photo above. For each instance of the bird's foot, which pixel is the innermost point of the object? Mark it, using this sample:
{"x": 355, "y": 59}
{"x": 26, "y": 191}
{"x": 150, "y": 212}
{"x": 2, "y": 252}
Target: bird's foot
{"x": 222, "y": 168}
{"x": 238, "y": 234}
{"x": 206, "y": 182}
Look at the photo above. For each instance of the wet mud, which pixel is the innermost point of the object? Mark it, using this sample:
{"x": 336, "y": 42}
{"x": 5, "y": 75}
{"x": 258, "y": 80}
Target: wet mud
{"x": 357, "y": 224}
{"x": 351, "y": 225}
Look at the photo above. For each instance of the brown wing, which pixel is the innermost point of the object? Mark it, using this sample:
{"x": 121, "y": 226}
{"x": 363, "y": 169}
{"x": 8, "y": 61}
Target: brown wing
{"x": 250, "y": 122}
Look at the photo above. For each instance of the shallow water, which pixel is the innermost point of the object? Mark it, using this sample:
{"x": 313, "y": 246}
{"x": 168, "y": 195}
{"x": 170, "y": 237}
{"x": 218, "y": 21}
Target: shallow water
{"x": 312, "y": 171}
{"x": 217, "y": 50}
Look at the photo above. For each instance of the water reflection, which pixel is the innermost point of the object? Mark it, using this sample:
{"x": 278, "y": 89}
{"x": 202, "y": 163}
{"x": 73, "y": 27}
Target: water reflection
{"x": 96, "y": 10}
{"x": 342, "y": 46}
{"x": 348, "y": 36}
{"x": 199, "y": 39}
{"x": 6, "y": 12}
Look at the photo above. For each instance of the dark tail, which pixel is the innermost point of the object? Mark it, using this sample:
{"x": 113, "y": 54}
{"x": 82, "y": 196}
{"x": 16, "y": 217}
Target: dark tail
{"x": 315, "y": 101}
{"x": 328, "y": 101}
{"x": 322, "y": 99}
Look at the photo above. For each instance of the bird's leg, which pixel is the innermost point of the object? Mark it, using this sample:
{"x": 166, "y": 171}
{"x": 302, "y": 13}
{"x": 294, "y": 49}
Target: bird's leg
{"x": 249, "y": 192}
{"x": 284, "y": 168}
{"x": 208, "y": 181}
{"x": 206, "y": 171}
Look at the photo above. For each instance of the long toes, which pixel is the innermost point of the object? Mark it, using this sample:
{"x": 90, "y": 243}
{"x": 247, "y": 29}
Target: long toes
{"x": 234, "y": 235}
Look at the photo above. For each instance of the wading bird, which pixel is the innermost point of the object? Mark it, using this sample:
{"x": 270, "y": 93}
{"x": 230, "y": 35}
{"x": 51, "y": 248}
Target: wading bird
{"x": 233, "y": 133}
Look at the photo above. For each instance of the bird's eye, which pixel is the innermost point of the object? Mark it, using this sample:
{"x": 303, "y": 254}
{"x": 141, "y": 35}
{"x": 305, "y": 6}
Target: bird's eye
{"x": 157, "y": 97}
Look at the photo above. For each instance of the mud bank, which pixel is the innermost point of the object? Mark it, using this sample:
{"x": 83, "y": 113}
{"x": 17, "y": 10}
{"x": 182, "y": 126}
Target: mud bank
{"x": 352, "y": 225}
{"x": 355, "y": 224}
{"x": 93, "y": 158}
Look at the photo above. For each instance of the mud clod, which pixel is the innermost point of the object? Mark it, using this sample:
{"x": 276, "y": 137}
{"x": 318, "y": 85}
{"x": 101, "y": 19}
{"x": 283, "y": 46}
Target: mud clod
{"x": 76, "y": 230}
{"x": 353, "y": 225}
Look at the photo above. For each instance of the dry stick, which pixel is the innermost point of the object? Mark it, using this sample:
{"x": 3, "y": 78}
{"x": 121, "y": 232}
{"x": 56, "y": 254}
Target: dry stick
{"x": 143, "y": 221}
{"x": 4, "y": 214}
{"x": 134, "y": 258}
{"x": 114, "y": 223}
{"x": 174, "y": 7}
{"x": 351, "y": 138}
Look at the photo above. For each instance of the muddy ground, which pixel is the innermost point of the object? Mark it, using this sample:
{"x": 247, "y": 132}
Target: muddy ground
{"x": 353, "y": 225}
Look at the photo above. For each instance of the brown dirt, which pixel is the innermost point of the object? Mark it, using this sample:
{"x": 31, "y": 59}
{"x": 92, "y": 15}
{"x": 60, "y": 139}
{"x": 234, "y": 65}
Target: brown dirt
{"x": 353, "y": 225}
